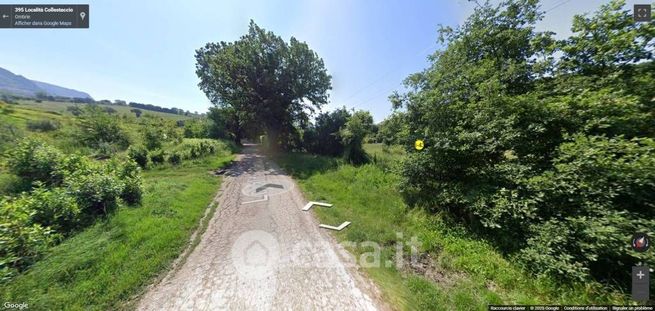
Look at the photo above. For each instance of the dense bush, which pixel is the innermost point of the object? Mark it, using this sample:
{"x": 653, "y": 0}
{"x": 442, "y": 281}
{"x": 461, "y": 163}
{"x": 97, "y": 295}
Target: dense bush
{"x": 394, "y": 129}
{"x": 96, "y": 128}
{"x": 32, "y": 160}
{"x": 69, "y": 192}
{"x": 157, "y": 156}
{"x": 175, "y": 158}
{"x": 75, "y": 110}
{"x": 197, "y": 128}
{"x": 340, "y": 133}
{"x": 612, "y": 181}
{"x": 195, "y": 148}
{"x": 552, "y": 158}
{"x": 95, "y": 188}
{"x": 139, "y": 154}
{"x": 44, "y": 125}
{"x": 323, "y": 136}
{"x": 21, "y": 241}
{"x": 54, "y": 208}
{"x": 129, "y": 174}
{"x": 157, "y": 131}
{"x": 353, "y": 134}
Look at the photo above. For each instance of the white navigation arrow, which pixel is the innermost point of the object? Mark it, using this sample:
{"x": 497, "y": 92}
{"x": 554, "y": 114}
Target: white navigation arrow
{"x": 339, "y": 228}
{"x": 256, "y": 201}
{"x": 312, "y": 203}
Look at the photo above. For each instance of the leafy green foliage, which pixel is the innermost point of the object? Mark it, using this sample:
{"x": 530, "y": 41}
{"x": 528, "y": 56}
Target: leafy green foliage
{"x": 464, "y": 265}
{"x": 607, "y": 41}
{"x": 394, "y": 129}
{"x": 9, "y": 134}
{"x": 139, "y": 154}
{"x": 196, "y": 148}
{"x": 157, "y": 156}
{"x": 75, "y": 110}
{"x": 175, "y": 158}
{"x": 323, "y": 136}
{"x": 158, "y": 131}
{"x": 265, "y": 80}
{"x": 44, "y": 125}
{"x": 21, "y": 242}
{"x": 96, "y": 128}
{"x": 197, "y": 128}
{"x": 353, "y": 134}
{"x": 227, "y": 124}
{"x": 69, "y": 192}
{"x": 32, "y": 160}
{"x": 550, "y": 158}
{"x": 104, "y": 266}
{"x": 129, "y": 174}
{"x": 54, "y": 208}
{"x": 612, "y": 181}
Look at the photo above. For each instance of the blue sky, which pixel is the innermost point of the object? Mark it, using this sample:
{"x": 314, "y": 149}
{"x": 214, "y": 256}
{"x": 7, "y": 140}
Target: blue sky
{"x": 143, "y": 51}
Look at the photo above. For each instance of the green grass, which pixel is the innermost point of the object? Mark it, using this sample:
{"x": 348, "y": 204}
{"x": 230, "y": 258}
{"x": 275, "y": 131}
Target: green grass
{"x": 106, "y": 265}
{"x": 386, "y": 157}
{"x": 468, "y": 273}
{"x": 60, "y": 108}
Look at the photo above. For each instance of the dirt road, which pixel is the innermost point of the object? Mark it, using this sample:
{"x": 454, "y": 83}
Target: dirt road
{"x": 262, "y": 252}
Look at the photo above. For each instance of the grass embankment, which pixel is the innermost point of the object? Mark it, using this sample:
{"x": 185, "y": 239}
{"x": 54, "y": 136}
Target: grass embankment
{"x": 104, "y": 266}
{"x": 467, "y": 274}
{"x": 60, "y": 108}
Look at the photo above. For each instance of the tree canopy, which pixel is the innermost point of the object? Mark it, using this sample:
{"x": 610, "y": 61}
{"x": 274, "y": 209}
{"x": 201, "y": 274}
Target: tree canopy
{"x": 266, "y": 80}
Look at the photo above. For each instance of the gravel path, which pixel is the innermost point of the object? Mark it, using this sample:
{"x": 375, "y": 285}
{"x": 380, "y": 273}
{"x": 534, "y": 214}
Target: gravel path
{"x": 266, "y": 254}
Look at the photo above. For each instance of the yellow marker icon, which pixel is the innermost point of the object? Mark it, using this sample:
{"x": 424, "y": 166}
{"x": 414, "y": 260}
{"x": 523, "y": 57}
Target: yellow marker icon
{"x": 418, "y": 144}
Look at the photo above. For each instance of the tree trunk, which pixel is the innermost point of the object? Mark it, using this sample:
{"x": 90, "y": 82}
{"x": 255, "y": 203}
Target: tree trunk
{"x": 273, "y": 137}
{"x": 237, "y": 138}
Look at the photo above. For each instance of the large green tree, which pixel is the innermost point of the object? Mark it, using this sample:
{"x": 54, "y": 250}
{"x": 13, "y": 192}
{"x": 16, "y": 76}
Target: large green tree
{"x": 267, "y": 81}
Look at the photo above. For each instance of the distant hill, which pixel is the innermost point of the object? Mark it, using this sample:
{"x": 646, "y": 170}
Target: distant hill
{"x": 18, "y": 85}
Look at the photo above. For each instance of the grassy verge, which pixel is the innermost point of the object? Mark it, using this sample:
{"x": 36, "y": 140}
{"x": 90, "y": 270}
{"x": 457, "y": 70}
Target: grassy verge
{"x": 60, "y": 108}
{"x": 104, "y": 266}
{"x": 467, "y": 274}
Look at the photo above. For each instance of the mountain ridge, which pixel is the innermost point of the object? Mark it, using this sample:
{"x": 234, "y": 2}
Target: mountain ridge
{"x": 18, "y": 85}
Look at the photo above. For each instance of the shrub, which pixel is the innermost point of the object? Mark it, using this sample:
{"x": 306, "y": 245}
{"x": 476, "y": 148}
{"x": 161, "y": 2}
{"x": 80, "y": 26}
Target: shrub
{"x": 132, "y": 192}
{"x": 139, "y": 154}
{"x": 8, "y": 135}
{"x": 129, "y": 173}
{"x": 96, "y": 191}
{"x": 54, "y": 208}
{"x": 157, "y": 156}
{"x": 153, "y": 138}
{"x": 612, "y": 181}
{"x": 196, "y": 128}
{"x": 75, "y": 110}
{"x": 156, "y": 132}
{"x": 105, "y": 150}
{"x": 323, "y": 136}
{"x": 21, "y": 241}
{"x": 353, "y": 134}
{"x": 34, "y": 161}
{"x": 44, "y": 125}
{"x": 175, "y": 158}
{"x": 193, "y": 148}
{"x": 96, "y": 127}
